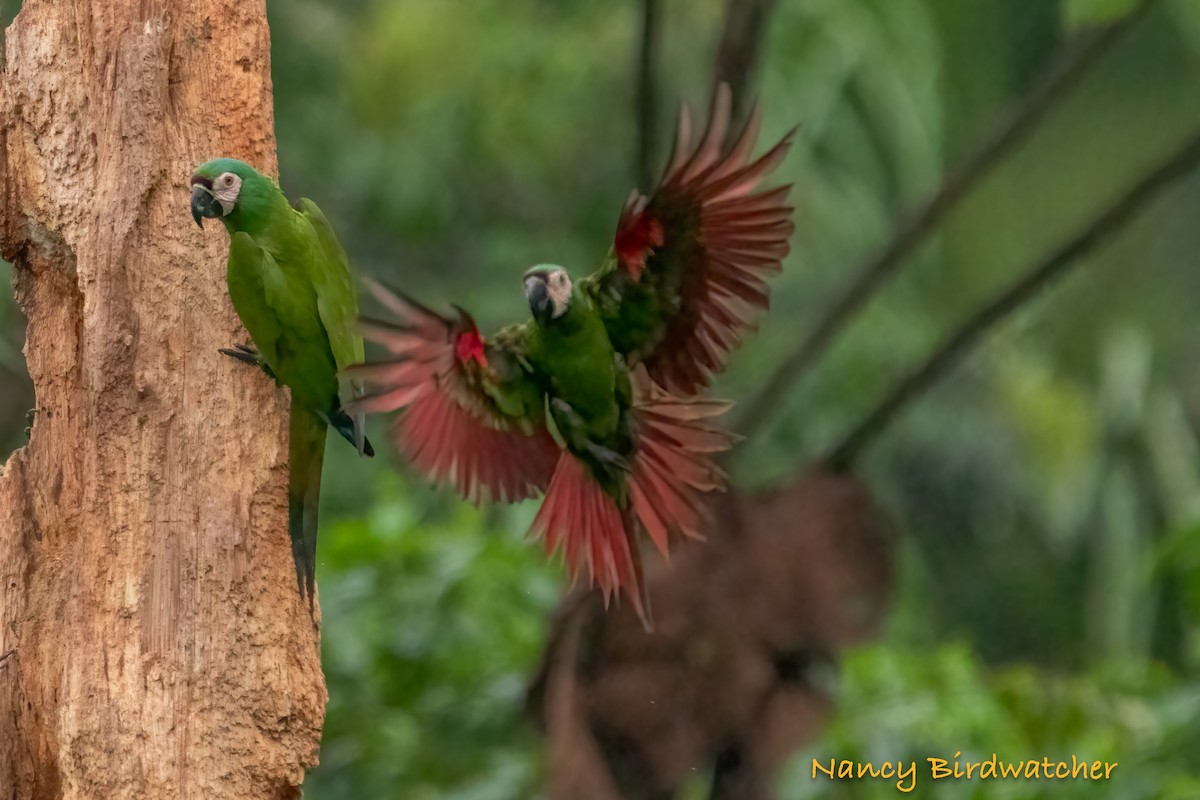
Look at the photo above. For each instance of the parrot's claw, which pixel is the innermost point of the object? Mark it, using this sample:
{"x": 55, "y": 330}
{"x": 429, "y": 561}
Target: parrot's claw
{"x": 568, "y": 420}
{"x": 248, "y": 355}
{"x": 29, "y": 415}
{"x": 564, "y": 408}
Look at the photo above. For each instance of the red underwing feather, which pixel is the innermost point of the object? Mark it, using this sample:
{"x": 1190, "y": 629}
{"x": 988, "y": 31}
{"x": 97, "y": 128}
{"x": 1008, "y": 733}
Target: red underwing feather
{"x": 683, "y": 142}
{"x": 447, "y": 426}
{"x": 743, "y": 146}
{"x": 709, "y": 149}
{"x": 673, "y": 466}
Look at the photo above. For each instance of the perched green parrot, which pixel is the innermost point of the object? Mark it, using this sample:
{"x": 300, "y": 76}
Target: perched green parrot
{"x": 290, "y": 284}
{"x": 592, "y": 401}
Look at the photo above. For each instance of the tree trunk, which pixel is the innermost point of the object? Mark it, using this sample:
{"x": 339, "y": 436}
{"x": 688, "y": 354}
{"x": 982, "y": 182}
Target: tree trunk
{"x": 152, "y": 641}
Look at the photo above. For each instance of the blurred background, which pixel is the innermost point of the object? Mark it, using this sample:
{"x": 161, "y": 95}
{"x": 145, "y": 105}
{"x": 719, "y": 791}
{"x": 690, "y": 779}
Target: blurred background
{"x": 1039, "y": 590}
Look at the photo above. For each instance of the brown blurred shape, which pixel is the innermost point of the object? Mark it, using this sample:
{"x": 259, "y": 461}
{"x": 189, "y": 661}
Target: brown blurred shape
{"x": 738, "y": 674}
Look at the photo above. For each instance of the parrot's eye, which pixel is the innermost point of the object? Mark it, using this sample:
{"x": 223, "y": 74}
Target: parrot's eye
{"x": 225, "y": 191}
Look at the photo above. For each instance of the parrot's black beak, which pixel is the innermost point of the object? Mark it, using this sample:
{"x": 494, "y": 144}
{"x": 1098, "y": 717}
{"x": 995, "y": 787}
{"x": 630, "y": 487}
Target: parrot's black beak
{"x": 203, "y": 204}
{"x": 538, "y": 296}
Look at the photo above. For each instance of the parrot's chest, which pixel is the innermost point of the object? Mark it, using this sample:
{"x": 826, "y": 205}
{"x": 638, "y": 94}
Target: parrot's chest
{"x": 583, "y": 374}
{"x": 588, "y": 386}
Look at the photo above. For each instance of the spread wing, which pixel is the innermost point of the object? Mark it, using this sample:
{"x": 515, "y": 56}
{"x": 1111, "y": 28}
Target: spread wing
{"x": 472, "y": 410}
{"x": 684, "y": 280}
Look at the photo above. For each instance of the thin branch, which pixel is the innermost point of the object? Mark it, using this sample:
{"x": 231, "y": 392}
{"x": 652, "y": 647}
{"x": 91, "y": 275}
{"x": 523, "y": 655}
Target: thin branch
{"x": 647, "y": 94}
{"x": 741, "y": 45}
{"x": 1011, "y": 132}
{"x": 1103, "y": 227}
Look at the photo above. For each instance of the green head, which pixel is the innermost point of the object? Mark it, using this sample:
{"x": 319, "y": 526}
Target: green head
{"x": 549, "y": 291}
{"x": 228, "y": 189}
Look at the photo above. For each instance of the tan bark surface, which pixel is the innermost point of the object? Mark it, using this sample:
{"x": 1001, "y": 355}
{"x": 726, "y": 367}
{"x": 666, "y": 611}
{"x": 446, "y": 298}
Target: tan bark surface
{"x": 152, "y": 641}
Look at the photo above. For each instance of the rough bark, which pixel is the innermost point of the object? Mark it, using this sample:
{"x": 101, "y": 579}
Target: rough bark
{"x": 152, "y": 642}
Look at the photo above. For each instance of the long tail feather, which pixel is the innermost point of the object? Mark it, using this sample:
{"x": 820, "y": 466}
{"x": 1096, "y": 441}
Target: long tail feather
{"x": 360, "y": 425}
{"x": 306, "y": 453}
{"x": 673, "y": 470}
{"x": 580, "y": 517}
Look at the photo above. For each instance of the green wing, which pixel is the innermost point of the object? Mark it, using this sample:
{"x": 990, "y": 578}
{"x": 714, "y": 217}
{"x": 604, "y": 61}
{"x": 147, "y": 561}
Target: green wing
{"x": 279, "y": 309}
{"x": 472, "y": 409}
{"x": 684, "y": 279}
{"x": 338, "y": 307}
{"x": 510, "y": 380}
{"x": 334, "y": 285}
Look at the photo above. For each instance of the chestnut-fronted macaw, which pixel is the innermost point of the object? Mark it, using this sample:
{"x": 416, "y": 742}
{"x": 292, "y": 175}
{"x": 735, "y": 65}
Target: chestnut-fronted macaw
{"x": 592, "y": 400}
{"x": 289, "y": 280}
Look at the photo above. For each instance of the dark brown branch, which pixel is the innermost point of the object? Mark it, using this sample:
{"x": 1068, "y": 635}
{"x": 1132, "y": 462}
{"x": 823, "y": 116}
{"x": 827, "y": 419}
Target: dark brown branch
{"x": 647, "y": 94}
{"x": 1103, "y": 227}
{"x": 1011, "y": 132}
{"x": 741, "y": 45}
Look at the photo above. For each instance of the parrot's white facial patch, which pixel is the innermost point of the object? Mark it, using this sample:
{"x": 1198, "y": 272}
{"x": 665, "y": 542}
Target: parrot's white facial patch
{"x": 225, "y": 190}
{"x": 558, "y": 287}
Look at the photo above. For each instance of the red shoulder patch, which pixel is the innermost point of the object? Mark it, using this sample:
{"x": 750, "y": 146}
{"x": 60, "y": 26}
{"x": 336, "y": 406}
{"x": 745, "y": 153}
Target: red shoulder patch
{"x": 469, "y": 346}
{"x": 637, "y": 235}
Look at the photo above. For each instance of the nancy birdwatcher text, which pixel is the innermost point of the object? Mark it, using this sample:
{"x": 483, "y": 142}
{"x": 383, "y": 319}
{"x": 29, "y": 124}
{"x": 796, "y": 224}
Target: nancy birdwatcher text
{"x": 907, "y": 773}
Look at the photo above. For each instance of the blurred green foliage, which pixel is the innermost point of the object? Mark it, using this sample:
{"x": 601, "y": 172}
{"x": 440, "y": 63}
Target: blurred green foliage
{"x": 898, "y": 703}
{"x": 430, "y": 630}
{"x": 1047, "y": 491}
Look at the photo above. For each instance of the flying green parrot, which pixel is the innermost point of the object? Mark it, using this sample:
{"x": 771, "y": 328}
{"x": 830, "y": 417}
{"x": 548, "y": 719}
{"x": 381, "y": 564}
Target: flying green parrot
{"x": 592, "y": 401}
{"x": 290, "y": 284}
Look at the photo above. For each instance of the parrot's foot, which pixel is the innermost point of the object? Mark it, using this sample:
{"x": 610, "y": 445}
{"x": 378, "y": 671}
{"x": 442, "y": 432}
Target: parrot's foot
{"x": 609, "y": 458}
{"x": 247, "y": 354}
{"x": 570, "y": 422}
{"x": 29, "y": 415}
